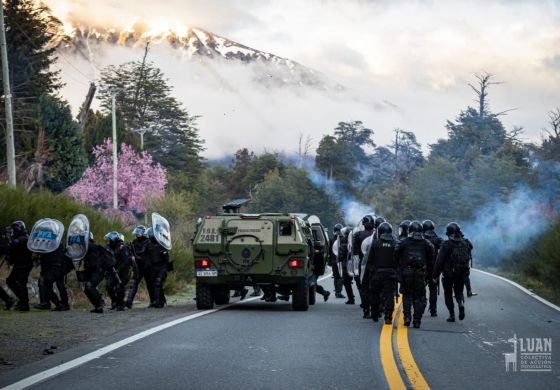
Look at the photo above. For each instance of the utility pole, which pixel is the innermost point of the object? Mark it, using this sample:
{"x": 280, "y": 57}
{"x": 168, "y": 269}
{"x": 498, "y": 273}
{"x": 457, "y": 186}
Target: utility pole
{"x": 10, "y": 149}
{"x": 115, "y": 162}
{"x": 141, "y": 131}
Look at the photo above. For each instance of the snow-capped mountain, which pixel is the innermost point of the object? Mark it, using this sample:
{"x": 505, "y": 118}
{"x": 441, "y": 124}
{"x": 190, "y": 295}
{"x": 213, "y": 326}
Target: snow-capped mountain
{"x": 198, "y": 44}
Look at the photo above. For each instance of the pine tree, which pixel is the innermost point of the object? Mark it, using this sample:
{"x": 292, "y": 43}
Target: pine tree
{"x": 66, "y": 159}
{"x": 31, "y": 34}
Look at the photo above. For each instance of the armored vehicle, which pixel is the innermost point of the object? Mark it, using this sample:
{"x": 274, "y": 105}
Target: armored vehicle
{"x": 271, "y": 250}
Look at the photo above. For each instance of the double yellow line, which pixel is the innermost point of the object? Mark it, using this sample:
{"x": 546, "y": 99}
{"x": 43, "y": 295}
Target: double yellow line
{"x": 399, "y": 333}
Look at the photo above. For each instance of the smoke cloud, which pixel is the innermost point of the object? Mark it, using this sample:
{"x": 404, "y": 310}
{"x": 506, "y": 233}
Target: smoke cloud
{"x": 352, "y": 209}
{"x": 503, "y": 228}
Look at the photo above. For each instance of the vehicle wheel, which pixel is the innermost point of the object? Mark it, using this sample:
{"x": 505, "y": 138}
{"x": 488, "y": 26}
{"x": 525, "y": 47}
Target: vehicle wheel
{"x": 312, "y": 294}
{"x": 221, "y": 296}
{"x": 204, "y": 296}
{"x": 300, "y": 296}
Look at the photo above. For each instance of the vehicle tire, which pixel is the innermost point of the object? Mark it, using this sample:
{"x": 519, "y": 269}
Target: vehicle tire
{"x": 300, "y": 296}
{"x": 312, "y": 294}
{"x": 204, "y": 296}
{"x": 221, "y": 296}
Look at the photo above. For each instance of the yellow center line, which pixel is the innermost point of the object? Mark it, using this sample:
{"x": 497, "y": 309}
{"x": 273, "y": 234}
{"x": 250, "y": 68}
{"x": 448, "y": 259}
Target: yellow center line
{"x": 388, "y": 362}
{"x": 412, "y": 371}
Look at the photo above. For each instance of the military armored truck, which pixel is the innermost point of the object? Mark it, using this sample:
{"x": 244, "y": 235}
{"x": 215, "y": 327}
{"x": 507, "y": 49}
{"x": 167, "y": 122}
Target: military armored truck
{"x": 233, "y": 250}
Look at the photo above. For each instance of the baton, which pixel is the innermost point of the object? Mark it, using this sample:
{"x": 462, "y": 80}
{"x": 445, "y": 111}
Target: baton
{"x": 117, "y": 275}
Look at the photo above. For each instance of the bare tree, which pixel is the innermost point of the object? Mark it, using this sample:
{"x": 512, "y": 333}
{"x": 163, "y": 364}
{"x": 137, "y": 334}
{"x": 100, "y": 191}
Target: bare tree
{"x": 481, "y": 90}
{"x": 554, "y": 122}
{"x": 304, "y": 147}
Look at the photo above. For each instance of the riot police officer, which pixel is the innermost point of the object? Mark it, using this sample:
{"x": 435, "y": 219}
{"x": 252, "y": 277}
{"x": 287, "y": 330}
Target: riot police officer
{"x": 117, "y": 280}
{"x": 54, "y": 266}
{"x": 453, "y": 261}
{"x": 20, "y": 258}
{"x": 381, "y": 269}
{"x": 342, "y": 258}
{"x": 368, "y": 223}
{"x": 338, "y": 282}
{"x": 98, "y": 262}
{"x": 429, "y": 230}
{"x": 158, "y": 266}
{"x": 413, "y": 253}
{"x": 140, "y": 251}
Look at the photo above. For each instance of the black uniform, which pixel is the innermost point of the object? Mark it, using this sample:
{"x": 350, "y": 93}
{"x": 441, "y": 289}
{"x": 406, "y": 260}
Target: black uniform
{"x": 357, "y": 240}
{"x": 158, "y": 267}
{"x": 436, "y": 241}
{"x": 140, "y": 250}
{"x": 453, "y": 274}
{"x": 20, "y": 258}
{"x": 319, "y": 265}
{"x": 343, "y": 258}
{"x": 116, "y": 286}
{"x": 97, "y": 263}
{"x": 336, "y": 274}
{"x": 413, "y": 254}
{"x": 54, "y": 266}
{"x": 381, "y": 270}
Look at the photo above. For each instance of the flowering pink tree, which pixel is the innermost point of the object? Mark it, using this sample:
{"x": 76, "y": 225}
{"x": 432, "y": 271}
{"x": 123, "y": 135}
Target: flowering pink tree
{"x": 139, "y": 179}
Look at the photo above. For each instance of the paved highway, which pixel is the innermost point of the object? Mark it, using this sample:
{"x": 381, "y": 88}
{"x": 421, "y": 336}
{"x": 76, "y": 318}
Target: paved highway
{"x": 258, "y": 345}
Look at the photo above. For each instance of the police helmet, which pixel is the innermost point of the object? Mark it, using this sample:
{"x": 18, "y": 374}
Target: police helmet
{"x": 379, "y": 221}
{"x": 17, "y": 228}
{"x": 428, "y": 225}
{"x": 385, "y": 231}
{"x": 403, "y": 227}
{"x": 368, "y": 222}
{"x": 415, "y": 227}
{"x": 150, "y": 232}
{"x": 337, "y": 228}
{"x": 453, "y": 229}
{"x": 139, "y": 231}
{"x": 113, "y": 237}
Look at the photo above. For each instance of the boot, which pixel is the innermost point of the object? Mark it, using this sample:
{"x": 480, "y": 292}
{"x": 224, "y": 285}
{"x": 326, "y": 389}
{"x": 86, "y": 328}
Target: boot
{"x": 42, "y": 306}
{"x": 339, "y": 295}
{"x": 326, "y": 296}
{"x": 350, "y": 301}
{"x": 451, "y": 317}
{"x": 388, "y": 320}
{"x": 22, "y": 308}
{"x": 98, "y": 310}
{"x": 62, "y": 307}
{"x": 9, "y": 303}
{"x": 416, "y": 323}
{"x": 461, "y": 313}
{"x": 433, "y": 313}
{"x": 406, "y": 321}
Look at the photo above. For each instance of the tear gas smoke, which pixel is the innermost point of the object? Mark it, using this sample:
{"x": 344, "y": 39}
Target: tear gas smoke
{"x": 504, "y": 227}
{"x": 352, "y": 209}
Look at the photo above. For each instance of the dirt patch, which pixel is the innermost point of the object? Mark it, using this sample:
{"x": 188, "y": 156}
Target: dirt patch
{"x": 27, "y": 337}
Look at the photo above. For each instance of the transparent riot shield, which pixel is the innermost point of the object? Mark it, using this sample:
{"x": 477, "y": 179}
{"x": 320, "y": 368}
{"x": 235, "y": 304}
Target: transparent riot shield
{"x": 162, "y": 232}
{"x": 77, "y": 237}
{"x": 45, "y": 236}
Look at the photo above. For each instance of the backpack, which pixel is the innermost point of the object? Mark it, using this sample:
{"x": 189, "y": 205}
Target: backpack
{"x": 460, "y": 258}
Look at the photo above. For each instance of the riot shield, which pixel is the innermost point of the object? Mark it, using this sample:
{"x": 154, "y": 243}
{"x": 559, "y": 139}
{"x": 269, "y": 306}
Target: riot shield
{"x": 162, "y": 232}
{"x": 335, "y": 252}
{"x": 77, "y": 237}
{"x": 45, "y": 236}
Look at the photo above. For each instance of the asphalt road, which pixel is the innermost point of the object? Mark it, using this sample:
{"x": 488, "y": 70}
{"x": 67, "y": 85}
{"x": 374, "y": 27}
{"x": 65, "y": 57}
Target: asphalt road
{"x": 258, "y": 345}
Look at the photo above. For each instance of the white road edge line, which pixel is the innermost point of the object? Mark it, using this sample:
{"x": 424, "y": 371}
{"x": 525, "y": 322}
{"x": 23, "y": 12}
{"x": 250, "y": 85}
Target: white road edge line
{"x": 526, "y": 291}
{"x": 54, "y": 371}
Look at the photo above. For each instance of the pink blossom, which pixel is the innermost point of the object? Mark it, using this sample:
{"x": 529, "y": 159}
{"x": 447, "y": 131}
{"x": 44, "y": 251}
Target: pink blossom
{"x": 139, "y": 179}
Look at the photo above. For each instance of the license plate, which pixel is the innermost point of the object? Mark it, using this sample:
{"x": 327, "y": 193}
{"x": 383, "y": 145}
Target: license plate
{"x": 209, "y": 272}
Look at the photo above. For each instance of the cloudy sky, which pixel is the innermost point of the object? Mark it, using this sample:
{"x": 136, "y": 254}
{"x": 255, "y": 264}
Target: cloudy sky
{"x": 411, "y": 58}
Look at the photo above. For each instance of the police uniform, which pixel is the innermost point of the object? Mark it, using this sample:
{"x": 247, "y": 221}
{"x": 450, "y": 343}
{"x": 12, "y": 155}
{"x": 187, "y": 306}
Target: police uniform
{"x": 158, "y": 267}
{"x": 140, "y": 250}
{"x": 20, "y": 258}
{"x": 381, "y": 268}
{"x": 53, "y": 270}
{"x": 413, "y": 254}
{"x": 357, "y": 240}
{"x": 116, "y": 286}
{"x": 97, "y": 263}
{"x": 436, "y": 241}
